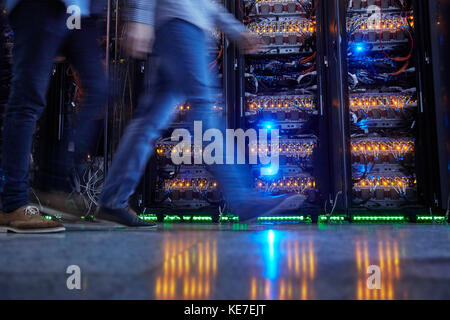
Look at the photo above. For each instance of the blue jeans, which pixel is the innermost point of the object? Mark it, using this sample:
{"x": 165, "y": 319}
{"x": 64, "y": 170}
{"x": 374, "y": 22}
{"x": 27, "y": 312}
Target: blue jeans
{"x": 182, "y": 74}
{"x": 40, "y": 32}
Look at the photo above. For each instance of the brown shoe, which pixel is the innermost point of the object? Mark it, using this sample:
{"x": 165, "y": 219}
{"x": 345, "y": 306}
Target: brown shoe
{"x": 27, "y": 219}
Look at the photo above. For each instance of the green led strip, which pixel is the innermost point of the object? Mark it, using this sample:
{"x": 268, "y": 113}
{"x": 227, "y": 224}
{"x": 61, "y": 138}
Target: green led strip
{"x": 379, "y": 219}
{"x": 332, "y": 218}
{"x": 427, "y": 219}
{"x": 176, "y": 218}
{"x": 229, "y": 219}
{"x": 281, "y": 218}
{"x": 322, "y": 218}
{"x": 148, "y": 217}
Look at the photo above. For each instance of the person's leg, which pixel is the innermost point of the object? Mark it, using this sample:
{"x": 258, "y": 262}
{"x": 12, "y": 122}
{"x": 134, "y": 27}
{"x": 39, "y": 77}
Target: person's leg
{"x": 83, "y": 53}
{"x": 235, "y": 181}
{"x": 82, "y": 129}
{"x": 39, "y": 29}
{"x": 154, "y": 113}
{"x": 137, "y": 144}
{"x": 183, "y": 74}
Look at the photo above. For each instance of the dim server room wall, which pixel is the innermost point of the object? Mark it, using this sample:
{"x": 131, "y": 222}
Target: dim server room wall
{"x": 439, "y": 23}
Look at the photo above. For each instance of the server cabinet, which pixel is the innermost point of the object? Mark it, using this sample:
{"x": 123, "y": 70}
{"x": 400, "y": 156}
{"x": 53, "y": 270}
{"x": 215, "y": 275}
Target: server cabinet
{"x": 439, "y": 19}
{"x": 379, "y": 119}
{"x": 389, "y": 137}
{"x": 281, "y": 87}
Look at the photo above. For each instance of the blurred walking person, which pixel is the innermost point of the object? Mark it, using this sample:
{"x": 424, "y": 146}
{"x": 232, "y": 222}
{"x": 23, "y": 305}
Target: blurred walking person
{"x": 40, "y": 31}
{"x": 179, "y": 30}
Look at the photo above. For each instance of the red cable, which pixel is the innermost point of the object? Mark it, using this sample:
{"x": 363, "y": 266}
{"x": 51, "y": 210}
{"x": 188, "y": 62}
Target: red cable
{"x": 401, "y": 70}
{"x": 309, "y": 58}
{"x": 381, "y": 43}
{"x": 310, "y": 69}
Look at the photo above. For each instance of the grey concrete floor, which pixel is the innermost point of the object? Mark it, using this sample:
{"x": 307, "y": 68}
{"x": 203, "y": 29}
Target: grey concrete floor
{"x": 186, "y": 261}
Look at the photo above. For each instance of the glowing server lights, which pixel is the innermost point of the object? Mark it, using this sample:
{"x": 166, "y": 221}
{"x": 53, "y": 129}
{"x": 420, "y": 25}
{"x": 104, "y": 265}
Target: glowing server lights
{"x": 371, "y": 23}
{"x": 289, "y": 148}
{"x": 381, "y": 150}
{"x": 286, "y": 185}
{"x": 284, "y": 103}
{"x": 301, "y": 28}
{"x": 382, "y": 104}
{"x": 371, "y": 101}
{"x": 191, "y": 184}
{"x": 277, "y": 7}
{"x": 281, "y": 92}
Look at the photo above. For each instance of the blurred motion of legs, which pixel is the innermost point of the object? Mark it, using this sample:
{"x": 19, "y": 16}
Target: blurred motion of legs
{"x": 40, "y": 32}
{"x": 182, "y": 75}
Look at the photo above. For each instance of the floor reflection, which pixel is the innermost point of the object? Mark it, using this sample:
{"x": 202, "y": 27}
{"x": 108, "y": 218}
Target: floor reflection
{"x": 386, "y": 256}
{"x": 289, "y": 270}
{"x": 275, "y": 264}
{"x": 189, "y": 268}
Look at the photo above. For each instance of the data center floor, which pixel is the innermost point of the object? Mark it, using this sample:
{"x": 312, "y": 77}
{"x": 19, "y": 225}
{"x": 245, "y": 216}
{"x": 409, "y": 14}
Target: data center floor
{"x": 188, "y": 261}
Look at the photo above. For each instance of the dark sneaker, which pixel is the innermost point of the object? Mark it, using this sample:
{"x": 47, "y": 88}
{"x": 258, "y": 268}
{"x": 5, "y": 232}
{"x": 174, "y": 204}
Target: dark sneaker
{"x": 250, "y": 211}
{"x": 124, "y": 217}
{"x": 28, "y": 219}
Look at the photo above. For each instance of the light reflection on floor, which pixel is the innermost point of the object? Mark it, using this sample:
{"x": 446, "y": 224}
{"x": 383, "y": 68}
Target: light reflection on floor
{"x": 189, "y": 268}
{"x": 293, "y": 262}
{"x": 387, "y": 258}
{"x": 289, "y": 276}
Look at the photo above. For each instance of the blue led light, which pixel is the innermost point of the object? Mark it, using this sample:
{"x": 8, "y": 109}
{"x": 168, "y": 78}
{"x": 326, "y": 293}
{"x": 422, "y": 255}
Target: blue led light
{"x": 359, "y": 47}
{"x": 270, "y": 171}
{"x": 268, "y": 125}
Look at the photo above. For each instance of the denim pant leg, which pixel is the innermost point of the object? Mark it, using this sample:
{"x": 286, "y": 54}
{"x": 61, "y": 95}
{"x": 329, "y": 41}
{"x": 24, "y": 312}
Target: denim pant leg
{"x": 234, "y": 180}
{"x": 154, "y": 113}
{"x": 136, "y": 147}
{"x": 84, "y": 54}
{"x": 39, "y": 29}
{"x": 183, "y": 74}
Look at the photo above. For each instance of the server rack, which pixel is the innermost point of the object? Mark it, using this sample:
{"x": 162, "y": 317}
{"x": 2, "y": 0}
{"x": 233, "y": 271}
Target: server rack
{"x": 403, "y": 177}
{"x": 389, "y": 137}
{"x": 275, "y": 95}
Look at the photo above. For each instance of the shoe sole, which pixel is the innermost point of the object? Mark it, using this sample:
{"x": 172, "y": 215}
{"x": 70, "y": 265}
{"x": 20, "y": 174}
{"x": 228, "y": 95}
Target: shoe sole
{"x": 31, "y": 231}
